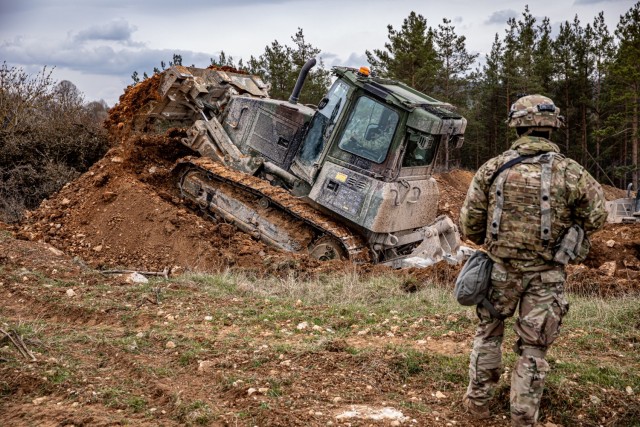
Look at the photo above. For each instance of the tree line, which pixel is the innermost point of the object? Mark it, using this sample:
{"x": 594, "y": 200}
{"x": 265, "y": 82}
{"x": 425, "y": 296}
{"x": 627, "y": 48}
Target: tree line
{"x": 48, "y": 137}
{"x": 591, "y": 72}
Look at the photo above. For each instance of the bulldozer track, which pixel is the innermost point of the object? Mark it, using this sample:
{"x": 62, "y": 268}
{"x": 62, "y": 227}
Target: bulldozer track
{"x": 321, "y": 224}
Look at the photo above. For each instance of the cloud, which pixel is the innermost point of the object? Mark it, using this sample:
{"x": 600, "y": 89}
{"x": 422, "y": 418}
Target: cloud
{"x": 119, "y": 31}
{"x": 101, "y": 59}
{"x": 501, "y": 16}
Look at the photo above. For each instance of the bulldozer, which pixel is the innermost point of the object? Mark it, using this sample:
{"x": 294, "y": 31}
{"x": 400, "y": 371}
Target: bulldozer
{"x": 349, "y": 178}
{"x": 625, "y": 210}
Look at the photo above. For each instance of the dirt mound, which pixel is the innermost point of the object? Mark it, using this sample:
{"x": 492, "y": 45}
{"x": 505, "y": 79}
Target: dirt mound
{"x": 453, "y": 187}
{"x": 613, "y": 193}
{"x": 132, "y": 105}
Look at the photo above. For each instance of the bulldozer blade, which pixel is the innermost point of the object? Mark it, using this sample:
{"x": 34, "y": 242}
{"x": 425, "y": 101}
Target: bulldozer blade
{"x": 441, "y": 242}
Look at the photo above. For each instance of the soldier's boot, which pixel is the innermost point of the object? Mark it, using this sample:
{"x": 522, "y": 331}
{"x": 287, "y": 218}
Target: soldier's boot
{"x": 527, "y": 383}
{"x": 475, "y": 412}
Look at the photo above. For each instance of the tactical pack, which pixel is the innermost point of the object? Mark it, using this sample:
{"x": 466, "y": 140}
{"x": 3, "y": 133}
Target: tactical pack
{"x": 566, "y": 243}
{"x": 473, "y": 282}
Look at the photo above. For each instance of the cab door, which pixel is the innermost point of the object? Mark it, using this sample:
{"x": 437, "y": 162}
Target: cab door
{"x": 307, "y": 162}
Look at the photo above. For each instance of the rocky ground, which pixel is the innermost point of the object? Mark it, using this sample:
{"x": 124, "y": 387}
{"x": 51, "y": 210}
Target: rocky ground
{"x": 111, "y": 352}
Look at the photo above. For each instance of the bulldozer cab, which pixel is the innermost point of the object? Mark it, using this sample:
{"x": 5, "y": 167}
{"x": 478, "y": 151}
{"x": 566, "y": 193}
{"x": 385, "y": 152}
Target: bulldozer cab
{"x": 369, "y": 151}
{"x": 379, "y": 126}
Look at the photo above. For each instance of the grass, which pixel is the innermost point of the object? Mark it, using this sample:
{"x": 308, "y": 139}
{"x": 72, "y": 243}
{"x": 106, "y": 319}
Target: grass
{"x": 195, "y": 413}
{"x": 371, "y": 323}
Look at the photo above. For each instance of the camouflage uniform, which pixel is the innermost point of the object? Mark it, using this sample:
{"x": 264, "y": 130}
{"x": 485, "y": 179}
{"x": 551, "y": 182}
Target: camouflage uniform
{"x": 524, "y": 272}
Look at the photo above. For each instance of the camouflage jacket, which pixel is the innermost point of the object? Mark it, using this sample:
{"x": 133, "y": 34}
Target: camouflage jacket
{"x": 575, "y": 198}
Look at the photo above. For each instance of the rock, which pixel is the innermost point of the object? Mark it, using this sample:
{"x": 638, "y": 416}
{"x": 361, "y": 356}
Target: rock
{"x": 440, "y": 395}
{"x": 595, "y": 400}
{"x": 71, "y": 293}
{"x": 263, "y": 390}
{"x": 208, "y": 318}
{"x": 251, "y": 391}
{"x": 337, "y": 399}
{"x": 170, "y": 344}
{"x": 302, "y": 325}
{"x": 55, "y": 251}
{"x": 611, "y": 243}
{"x": 135, "y": 278}
{"x": 608, "y": 268}
{"x": 629, "y": 390}
{"x": 116, "y": 159}
{"x": 97, "y": 248}
{"x": 39, "y": 400}
{"x": 205, "y": 366}
{"x": 65, "y": 202}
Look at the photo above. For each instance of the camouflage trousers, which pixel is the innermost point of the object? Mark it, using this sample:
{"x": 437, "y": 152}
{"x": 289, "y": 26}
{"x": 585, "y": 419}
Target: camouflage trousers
{"x": 542, "y": 305}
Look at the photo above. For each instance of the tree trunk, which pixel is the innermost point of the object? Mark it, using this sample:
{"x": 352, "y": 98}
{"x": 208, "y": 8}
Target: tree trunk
{"x": 566, "y": 115}
{"x": 584, "y": 134}
{"x": 634, "y": 138}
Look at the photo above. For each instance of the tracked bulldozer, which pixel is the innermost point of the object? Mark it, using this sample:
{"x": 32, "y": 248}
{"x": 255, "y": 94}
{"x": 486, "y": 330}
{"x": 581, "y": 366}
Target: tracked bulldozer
{"x": 626, "y": 209}
{"x": 350, "y": 178}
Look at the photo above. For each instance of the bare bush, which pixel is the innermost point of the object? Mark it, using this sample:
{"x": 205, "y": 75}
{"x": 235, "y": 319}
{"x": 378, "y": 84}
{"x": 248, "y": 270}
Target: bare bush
{"x": 47, "y": 137}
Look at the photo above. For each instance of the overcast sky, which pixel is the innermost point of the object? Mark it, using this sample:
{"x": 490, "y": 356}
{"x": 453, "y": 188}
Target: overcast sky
{"x": 97, "y": 44}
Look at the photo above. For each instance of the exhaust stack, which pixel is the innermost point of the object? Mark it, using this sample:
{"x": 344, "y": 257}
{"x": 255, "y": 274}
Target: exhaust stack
{"x": 295, "y": 95}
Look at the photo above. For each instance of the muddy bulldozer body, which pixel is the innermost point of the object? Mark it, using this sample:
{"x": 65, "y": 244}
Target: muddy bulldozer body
{"x": 349, "y": 178}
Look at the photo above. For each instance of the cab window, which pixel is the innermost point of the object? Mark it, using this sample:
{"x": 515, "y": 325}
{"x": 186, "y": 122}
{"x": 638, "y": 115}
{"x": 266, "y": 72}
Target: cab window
{"x": 323, "y": 122}
{"x": 369, "y": 130}
{"x": 421, "y": 148}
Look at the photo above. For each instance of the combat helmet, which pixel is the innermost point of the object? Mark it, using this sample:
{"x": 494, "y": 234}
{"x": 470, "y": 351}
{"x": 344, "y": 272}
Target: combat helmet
{"x": 535, "y": 111}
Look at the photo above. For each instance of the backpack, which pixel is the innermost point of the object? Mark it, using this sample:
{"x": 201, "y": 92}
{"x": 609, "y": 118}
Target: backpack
{"x": 473, "y": 282}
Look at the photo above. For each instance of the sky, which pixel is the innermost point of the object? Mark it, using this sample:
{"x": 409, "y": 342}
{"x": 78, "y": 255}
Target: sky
{"x": 97, "y": 44}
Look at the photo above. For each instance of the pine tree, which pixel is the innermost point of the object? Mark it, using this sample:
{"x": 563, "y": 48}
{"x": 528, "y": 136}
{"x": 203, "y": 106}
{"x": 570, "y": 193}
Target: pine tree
{"x": 452, "y": 78}
{"x": 543, "y": 58}
{"x": 409, "y": 55}
{"x": 626, "y": 74}
{"x": 455, "y": 62}
{"x": 601, "y": 53}
{"x": 280, "y": 65}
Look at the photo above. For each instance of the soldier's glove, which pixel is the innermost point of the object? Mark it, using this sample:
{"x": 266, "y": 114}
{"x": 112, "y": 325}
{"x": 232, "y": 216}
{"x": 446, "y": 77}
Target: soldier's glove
{"x": 570, "y": 247}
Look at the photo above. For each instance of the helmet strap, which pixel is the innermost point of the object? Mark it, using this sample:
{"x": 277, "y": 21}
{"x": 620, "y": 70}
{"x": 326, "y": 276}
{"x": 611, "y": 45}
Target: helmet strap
{"x": 542, "y": 132}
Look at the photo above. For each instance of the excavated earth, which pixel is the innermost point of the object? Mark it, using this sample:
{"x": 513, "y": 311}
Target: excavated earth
{"x": 125, "y": 212}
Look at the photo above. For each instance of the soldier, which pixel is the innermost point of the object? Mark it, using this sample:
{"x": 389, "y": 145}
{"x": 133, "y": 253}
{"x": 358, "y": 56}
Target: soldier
{"x": 526, "y": 205}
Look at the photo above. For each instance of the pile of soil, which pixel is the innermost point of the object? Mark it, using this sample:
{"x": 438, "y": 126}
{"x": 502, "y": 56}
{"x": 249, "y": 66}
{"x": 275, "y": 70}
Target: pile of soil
{"x": 126, "y": 212}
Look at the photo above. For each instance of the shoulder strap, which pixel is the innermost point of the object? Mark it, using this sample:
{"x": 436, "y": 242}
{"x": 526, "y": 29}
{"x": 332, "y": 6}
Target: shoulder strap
{"x": 508, "y": 164}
